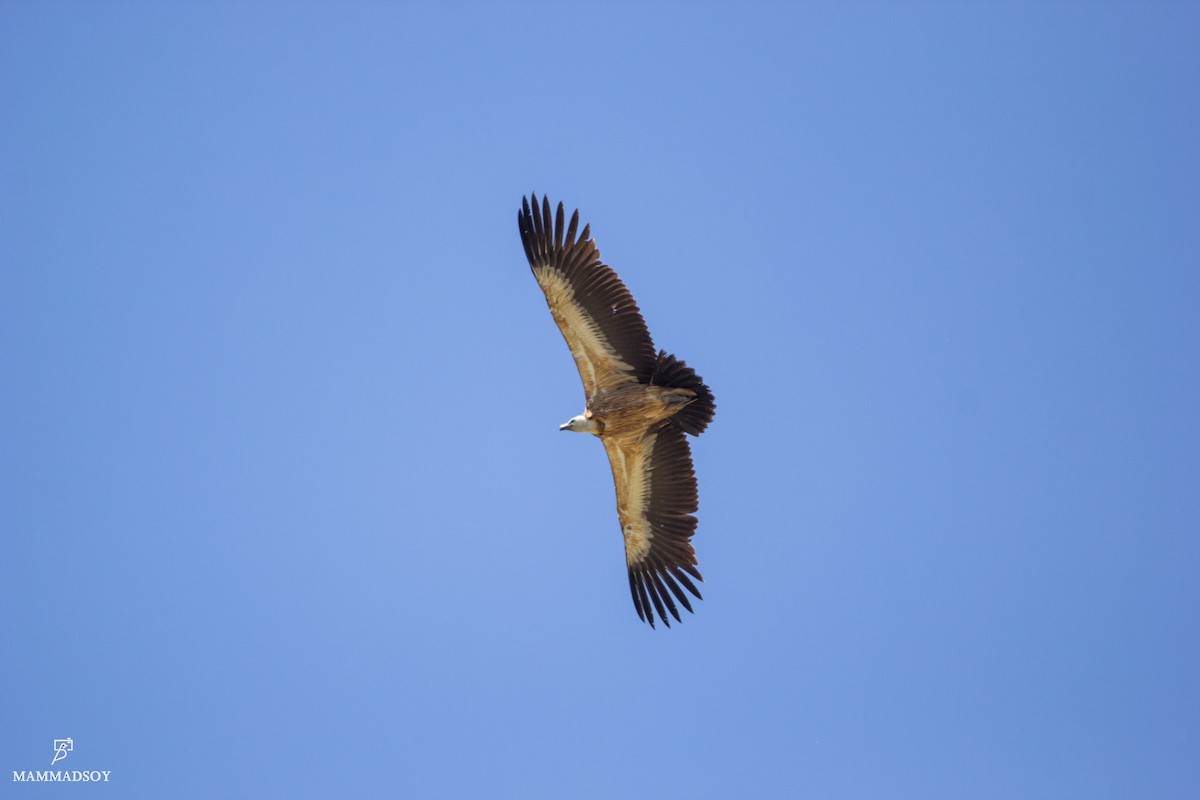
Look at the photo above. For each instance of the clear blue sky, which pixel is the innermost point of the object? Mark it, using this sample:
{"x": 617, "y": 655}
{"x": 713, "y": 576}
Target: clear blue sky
{"x": 285, "y": 507}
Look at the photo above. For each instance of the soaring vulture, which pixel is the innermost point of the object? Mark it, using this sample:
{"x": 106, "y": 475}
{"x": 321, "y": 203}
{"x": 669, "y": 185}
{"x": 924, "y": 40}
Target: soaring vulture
{"x": 640, "y": 403}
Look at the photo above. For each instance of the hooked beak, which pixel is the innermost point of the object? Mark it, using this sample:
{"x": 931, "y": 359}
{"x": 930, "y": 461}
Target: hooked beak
{"x": 566, "y": 426}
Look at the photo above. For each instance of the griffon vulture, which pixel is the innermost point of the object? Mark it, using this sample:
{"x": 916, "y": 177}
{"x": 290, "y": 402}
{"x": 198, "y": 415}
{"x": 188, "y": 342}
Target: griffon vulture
{"x": 640, "y": 403}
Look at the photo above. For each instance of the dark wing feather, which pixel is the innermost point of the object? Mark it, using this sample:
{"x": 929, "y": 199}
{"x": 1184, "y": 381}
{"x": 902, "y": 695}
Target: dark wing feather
{"x": 594, "y": 310}
{"x": 656, "y": 500}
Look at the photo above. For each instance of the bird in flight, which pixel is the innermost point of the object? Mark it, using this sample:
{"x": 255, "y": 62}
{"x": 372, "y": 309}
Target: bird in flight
{"x": 639, "y": 402}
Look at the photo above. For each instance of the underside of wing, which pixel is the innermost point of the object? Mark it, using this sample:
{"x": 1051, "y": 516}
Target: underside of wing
{"x": 656, "y": 498}
{"x": 594, "y": 310}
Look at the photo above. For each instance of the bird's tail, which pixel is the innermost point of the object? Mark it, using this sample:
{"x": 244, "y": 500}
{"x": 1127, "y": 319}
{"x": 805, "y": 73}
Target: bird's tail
{"x": 675, "y": 374}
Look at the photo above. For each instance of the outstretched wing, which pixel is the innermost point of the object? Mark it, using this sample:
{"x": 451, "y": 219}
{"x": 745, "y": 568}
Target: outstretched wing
{"x": 656, "y": 497}
{"x": 593, "y": 309}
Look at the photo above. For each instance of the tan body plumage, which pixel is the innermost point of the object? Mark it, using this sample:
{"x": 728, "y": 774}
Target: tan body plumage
{"x": 630, "y": 409}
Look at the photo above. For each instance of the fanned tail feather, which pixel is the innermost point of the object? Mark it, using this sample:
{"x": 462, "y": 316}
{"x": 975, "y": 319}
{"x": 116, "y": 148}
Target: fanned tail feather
{"x": 673, "y": 373}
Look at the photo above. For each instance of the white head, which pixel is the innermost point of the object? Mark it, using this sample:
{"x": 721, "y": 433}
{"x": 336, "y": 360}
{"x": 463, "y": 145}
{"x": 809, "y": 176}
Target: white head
{"x": 580, "y": 424}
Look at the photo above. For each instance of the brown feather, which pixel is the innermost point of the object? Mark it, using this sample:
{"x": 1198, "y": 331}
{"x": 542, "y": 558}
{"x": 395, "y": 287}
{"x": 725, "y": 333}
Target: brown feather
{"x": 598, "y": 296}
{"x": 656, "y": 503}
